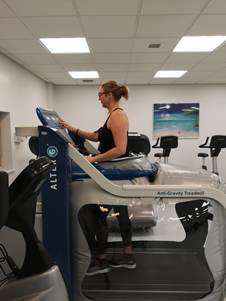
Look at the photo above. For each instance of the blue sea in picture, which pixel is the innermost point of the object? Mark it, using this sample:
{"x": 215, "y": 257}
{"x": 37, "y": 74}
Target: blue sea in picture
{"x": 176, "y": 119}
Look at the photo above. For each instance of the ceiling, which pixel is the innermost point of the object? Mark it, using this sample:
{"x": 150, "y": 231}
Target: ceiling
{"x": 118, "y": 33}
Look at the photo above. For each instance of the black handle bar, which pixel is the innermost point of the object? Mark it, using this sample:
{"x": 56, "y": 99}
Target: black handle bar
{"x": 204, "y": 145}
{"x": 156, "y": 144}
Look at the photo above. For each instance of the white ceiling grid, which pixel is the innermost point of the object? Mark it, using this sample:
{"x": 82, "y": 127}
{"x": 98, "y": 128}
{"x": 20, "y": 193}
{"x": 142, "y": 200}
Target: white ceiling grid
{"x": 118, "y": 34}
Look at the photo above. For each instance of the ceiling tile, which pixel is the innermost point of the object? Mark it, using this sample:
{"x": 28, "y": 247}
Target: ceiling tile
{"x": 221, "y": 48}
{"x": 183, "y": 65}
{"x": 97, "y": 67}
{"x": 3, "y": 51}
{"x": 5, "y": 11}
{"x": 95, "y": 81}
{"x": 80, "y": 67}
{"x": 153, "y": 7}
{"x": 139, "y": 77}
{"x": 117, "y": 67}
{"x": 11, "y": 28}
{"x": 111, "y": 58}
{"x": 137, "y": 81}
{"x": 216, "y": 7}
{"x": 216, "y": 57}
{"x": 213, "y": 80}
{"x": 209, "y": 25}
{"x": 163, "y": 81}
{"x": 141, "y": 45}
{"x": 41, "y": 7}
{"x": 213, "y": 62}
{"x": 88, "y": 67}
{"x": 54, "y": 26}
{"x": 110, "y": 45}
{"x": 201, "y": 78}
{"x": 193, "y": 77}
{"x": 22, "y": 46}
{"x": 118, "y": 76}
{"x": 112, "y": 67}
{"x": 59, "y": 75}
{"x": 163, "y": 26}
{"x": 206, "y": 65}
{"x": 62, "y": 82}
{"x": 154, "y": 57}
{"x": 107, "y": 7}
{"x": 65, "y": 59}
{"x": 144, "y": 67}
{"x": 36, "y": 59}
{"x": 183, "y": 60}
{"x": 215, "y": 77}
{"x": 46, "y": 68}
{"x": 108, "y": 26}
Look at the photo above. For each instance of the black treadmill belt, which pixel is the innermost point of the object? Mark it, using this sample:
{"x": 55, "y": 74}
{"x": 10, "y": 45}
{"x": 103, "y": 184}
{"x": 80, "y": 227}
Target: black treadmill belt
{"x": 160, "y": 274}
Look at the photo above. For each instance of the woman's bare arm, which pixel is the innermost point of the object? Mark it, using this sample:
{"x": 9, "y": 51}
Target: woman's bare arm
{"x": 119, "y": 125}
{"x": 92, "y": 136}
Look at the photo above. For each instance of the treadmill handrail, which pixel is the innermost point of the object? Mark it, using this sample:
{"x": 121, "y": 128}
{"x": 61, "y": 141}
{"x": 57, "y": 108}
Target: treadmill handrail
{"x": 141, "y": 190}
{"x": 90, "y": 148}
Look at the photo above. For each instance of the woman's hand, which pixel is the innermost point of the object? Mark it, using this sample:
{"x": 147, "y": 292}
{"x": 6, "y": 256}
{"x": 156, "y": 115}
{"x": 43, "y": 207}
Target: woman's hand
{"x": 67, "y": 126}
{"x": 74, "y": 145}
{"x": 90, "y": 159}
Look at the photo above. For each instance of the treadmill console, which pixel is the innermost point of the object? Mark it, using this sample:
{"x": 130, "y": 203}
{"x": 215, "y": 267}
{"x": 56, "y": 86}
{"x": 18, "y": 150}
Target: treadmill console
{"x": 51, "y": 119}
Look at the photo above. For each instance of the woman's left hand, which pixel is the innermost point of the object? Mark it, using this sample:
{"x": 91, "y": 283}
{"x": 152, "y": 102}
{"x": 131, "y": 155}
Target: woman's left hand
{"x": 90, "y": 159}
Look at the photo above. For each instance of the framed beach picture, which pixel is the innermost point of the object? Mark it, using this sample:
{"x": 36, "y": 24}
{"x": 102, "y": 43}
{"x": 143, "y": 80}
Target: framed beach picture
{"x": 180, "y": 119}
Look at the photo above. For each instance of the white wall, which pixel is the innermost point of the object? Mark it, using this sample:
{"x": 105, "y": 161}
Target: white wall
{"x": 80, "y": 106}
{"x": 21, "y": 93}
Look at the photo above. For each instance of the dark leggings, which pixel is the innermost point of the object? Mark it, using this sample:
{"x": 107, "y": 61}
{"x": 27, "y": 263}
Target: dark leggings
{"x": 93, "y": 222}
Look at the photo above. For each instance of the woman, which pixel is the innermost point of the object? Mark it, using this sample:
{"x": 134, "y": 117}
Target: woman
{"x": 112, "y": 137}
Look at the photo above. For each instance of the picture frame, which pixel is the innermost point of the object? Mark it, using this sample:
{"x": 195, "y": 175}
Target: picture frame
{"x": 179, "y": 119}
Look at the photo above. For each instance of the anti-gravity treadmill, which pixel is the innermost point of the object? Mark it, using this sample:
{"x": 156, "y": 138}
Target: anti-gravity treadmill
{"x": 165, "y": 270}
{"x": 187, "y": 269}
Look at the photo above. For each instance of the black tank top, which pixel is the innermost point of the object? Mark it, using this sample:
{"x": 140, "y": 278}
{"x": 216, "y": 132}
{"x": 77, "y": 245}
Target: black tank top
{"x": 105, "y": 136}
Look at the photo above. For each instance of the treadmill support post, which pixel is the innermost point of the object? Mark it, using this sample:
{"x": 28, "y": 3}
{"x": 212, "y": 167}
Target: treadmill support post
{"x": 55, "y": 202}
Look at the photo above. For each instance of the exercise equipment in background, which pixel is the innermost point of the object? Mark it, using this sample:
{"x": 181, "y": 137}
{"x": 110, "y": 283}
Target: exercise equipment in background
{"x": 166, "y": 143}
{"x": 216, "y": 144}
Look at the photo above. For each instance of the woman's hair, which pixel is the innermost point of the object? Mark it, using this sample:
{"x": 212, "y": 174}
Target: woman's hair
{"x": 117, "y": 91}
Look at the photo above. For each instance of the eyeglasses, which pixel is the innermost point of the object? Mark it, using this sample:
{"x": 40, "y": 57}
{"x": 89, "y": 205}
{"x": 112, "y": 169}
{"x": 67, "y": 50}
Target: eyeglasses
{"x": 101, "y": 93}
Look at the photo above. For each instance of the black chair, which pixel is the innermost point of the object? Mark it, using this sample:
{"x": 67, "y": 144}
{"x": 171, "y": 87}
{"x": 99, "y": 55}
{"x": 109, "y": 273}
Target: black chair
{"x": 138, "y": 143}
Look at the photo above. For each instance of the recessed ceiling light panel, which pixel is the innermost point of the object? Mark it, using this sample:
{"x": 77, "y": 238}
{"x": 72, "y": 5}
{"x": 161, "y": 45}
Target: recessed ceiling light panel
{"x": 199, "y": 43}
{"x": 66, "y": 45}
{"x": 169, "y": 73}
{"x": 84, "y": 74}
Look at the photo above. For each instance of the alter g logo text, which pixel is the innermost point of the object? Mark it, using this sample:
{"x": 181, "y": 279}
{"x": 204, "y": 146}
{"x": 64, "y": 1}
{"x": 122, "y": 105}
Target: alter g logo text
{"x": 52, "y": 151}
